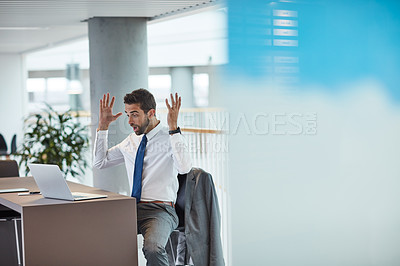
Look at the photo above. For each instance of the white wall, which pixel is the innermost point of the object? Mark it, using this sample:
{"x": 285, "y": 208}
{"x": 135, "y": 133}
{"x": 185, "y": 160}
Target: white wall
{"x": 12, "y": 96}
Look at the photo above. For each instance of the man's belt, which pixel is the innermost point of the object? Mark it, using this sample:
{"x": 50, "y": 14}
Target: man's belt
{"x": 160, "y": 202}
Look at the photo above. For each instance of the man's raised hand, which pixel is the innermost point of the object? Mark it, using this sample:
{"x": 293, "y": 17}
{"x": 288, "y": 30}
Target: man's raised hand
{"x": 173, "y": 111}
{"x": 106, "y": 116}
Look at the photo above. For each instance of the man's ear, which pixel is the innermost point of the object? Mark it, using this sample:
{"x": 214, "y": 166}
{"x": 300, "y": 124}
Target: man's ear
{"x": 151, "y": 113}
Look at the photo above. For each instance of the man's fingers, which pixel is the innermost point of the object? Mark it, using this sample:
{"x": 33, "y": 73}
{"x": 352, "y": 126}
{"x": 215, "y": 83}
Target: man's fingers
{"x": 167, "y": 104}
{"x": 112, "y": 102}
{"x": 176, "y": 98}
{"x": 104, "y": 101}
{"x": 107, "y": 99}
{"x": 175, "y": 102}
{"x": 117, "y": 115}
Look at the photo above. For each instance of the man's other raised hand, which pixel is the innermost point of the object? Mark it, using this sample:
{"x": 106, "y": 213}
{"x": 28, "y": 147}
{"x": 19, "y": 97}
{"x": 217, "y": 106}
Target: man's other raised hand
{"x": 173, "y": 111}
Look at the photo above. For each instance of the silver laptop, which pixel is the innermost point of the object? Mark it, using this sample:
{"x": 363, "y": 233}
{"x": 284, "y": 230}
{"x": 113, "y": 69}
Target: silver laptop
{"x": 52, "y": 184}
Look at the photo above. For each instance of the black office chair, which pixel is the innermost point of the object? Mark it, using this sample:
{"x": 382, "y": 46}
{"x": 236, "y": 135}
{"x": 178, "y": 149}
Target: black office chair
{"x": 180, "y": 202}
{"x": 3, "y": 146}
{"x": 13, "y": 144}
{"x": 9, "y": 168}
{"x": 180, "y": 211}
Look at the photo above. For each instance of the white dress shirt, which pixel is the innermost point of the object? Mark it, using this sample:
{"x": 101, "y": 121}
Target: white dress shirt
{"x": 165, "y": 156}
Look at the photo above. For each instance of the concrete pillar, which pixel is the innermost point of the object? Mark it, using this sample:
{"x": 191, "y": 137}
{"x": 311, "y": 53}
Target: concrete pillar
{"x": 118, "y": 64}
{"x": 182, "y": 83}
{"x": 13, "y": 98}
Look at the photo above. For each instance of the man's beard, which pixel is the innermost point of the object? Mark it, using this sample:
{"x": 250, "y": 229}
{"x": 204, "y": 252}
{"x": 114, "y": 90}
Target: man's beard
{"x": 142, "y": 128}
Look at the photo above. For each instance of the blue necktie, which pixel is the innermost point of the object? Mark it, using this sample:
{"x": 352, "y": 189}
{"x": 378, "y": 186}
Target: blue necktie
{"x": 137, "y": 174}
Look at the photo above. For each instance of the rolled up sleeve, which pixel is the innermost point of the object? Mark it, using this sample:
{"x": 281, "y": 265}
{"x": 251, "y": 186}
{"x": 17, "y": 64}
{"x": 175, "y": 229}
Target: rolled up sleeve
{"x": 180, "y": 153}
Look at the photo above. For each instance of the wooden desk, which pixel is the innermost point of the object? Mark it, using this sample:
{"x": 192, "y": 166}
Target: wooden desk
{"x": 58, "y": 232}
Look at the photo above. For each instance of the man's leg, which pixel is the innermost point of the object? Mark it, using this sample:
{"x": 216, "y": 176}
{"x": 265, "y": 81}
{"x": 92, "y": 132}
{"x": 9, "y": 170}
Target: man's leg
{"x": 155, "y": 223}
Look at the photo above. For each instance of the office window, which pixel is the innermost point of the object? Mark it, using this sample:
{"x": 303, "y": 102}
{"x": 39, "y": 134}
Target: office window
{"x": 160, "y": 87}
{"x": 57, "y": 92}
{"x": 52, "y": 91}
{"x": 36, "y": 89}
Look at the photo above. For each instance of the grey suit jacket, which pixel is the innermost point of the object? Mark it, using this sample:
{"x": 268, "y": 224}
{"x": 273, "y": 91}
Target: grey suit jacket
{"x": 202, "y": 220}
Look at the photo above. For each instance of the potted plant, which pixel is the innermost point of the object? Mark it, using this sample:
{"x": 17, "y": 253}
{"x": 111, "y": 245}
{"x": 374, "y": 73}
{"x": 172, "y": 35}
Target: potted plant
{"x": 54, "y": 138}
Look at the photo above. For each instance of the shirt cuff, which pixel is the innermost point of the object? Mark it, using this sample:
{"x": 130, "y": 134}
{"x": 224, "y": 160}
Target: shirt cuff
{"x": 176, "y": 137}
{"x": 102, "y": 133}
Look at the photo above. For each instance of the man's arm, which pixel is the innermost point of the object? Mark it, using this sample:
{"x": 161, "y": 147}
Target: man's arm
{"x": 102, "y": 156}
{"x": 180, "y": 152}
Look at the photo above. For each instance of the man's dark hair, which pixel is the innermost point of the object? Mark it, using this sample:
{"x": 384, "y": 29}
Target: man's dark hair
{"x": 142, "y": 97}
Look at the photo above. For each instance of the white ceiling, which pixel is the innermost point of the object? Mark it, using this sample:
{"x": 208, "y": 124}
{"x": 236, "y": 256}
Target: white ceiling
{"x": 191, "y": 40}
{"x": 31, "y": 25}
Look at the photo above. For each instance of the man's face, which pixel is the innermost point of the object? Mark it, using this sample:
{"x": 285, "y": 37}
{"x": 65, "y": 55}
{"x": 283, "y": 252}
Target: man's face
{"x": 138, "y": 120}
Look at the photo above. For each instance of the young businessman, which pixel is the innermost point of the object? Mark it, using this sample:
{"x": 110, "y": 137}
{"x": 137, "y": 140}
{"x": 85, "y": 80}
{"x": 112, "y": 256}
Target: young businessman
{"x": 165, "y": 155}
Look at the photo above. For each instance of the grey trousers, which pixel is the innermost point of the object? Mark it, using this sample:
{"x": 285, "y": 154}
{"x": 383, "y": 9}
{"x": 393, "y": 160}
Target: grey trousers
{"x": 155, "y": 222}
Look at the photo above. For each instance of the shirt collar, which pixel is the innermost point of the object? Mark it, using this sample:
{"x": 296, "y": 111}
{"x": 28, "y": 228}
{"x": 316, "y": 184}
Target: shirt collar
{"x": 154, "y": 131}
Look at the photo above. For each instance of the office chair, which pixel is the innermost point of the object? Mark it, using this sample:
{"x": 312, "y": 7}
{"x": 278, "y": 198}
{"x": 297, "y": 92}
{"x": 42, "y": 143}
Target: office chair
{"x": 203, "y": 223}
{"x": 180, "y": 202}
{"x": 9, "y": 168}
{"x": 13, "y": 144}
{"x": 180, "y": 210}
{"x": 3, "y": 146}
